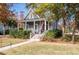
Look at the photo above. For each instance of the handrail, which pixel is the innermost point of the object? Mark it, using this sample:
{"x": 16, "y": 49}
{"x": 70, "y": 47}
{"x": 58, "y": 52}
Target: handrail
{"x": 31, "y": 35}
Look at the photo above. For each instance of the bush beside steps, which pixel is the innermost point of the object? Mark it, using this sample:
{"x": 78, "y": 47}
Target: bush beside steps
{"x": 52, "y": 35}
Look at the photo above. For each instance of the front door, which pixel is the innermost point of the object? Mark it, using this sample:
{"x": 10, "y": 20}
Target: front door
{"x": 36, "y": 28}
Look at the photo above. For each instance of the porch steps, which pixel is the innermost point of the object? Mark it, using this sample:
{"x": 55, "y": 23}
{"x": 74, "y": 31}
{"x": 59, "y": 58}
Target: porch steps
{"x": 36, "y": 37}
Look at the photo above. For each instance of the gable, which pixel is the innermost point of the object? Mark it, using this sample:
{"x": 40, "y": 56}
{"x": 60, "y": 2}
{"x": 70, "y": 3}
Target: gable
{"x": 31, "y": 15}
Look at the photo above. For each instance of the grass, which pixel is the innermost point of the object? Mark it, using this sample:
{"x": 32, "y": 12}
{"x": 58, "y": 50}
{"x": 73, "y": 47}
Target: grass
{"x": 9, "y": 41}
{"x": 44, "y": 48}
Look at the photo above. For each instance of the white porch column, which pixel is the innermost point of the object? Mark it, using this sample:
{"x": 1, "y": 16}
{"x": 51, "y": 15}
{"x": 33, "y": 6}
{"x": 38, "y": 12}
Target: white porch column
{"x": 48, "y": 25}
{"x": 34, "y": 26}
{"x": 40, "y": 27}
{"x": 25, "y": 25}
{"x": 45, "y": 25}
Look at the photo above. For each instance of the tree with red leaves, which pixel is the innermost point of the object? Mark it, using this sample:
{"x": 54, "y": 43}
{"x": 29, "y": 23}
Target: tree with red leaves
{"x": 5, "y": 12}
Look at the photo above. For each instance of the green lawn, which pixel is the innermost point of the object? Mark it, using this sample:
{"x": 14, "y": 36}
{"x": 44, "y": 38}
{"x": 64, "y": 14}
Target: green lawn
{"x": 9, "y": 41}
{"x": 44, "y": 48}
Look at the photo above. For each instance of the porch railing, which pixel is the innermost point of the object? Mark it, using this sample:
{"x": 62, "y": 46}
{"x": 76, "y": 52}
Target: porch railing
{"x": 31, "y": 34}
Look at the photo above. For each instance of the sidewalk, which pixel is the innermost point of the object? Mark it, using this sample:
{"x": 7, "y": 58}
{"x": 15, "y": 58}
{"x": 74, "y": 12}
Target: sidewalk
{"x": 33, "y": 39}
{"x": 16, "y": 45}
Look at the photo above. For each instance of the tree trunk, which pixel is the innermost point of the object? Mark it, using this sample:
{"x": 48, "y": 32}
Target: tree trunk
{"x": 56, "y": 26}
{"x": 63, "y": 32}
{"x": 73, "y": 36}
{"x": 73, "y": 33}
{"x": 74, "y": 25}
{"x": 63, "y": 28}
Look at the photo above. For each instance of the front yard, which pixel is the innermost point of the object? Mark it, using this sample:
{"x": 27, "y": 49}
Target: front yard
{"x": 44, "y": 48}
{"x": 9, "y": 41}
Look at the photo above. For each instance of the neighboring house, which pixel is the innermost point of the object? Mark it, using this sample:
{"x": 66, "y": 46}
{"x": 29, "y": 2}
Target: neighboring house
{"x": 6, "y": 27}
{"x": 1, "y": 28}
{"x": 20, "y": 24}
{"x": 34, "y": 23}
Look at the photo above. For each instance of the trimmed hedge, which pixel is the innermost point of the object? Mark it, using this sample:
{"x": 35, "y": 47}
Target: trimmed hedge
{"x": 24, "y": 34}
{"x": 51, "y": 34}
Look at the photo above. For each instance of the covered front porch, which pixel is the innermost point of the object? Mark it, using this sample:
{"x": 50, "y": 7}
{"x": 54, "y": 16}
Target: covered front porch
{"x": 37, "y": 26}
{"x": 35, "y": 23}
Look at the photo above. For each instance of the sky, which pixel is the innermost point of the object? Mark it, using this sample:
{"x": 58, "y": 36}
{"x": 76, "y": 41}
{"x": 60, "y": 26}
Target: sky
{"x": 19, "y": 7}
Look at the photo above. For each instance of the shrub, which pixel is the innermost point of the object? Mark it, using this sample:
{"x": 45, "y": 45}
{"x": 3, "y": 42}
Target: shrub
{"x": 1, "y": 33}
{"x": 77, "y": 38}
{"x": 20, "y": 28}
{"x": 27, "y": 33}
{"x": 13, "y": 32}
{"x": 7, "y": 31}
{"x": 20, "y": 33}
{"x": 55, "y": 33}
{"x": 69, "y": 38}
{"x": 51, "y": 34}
